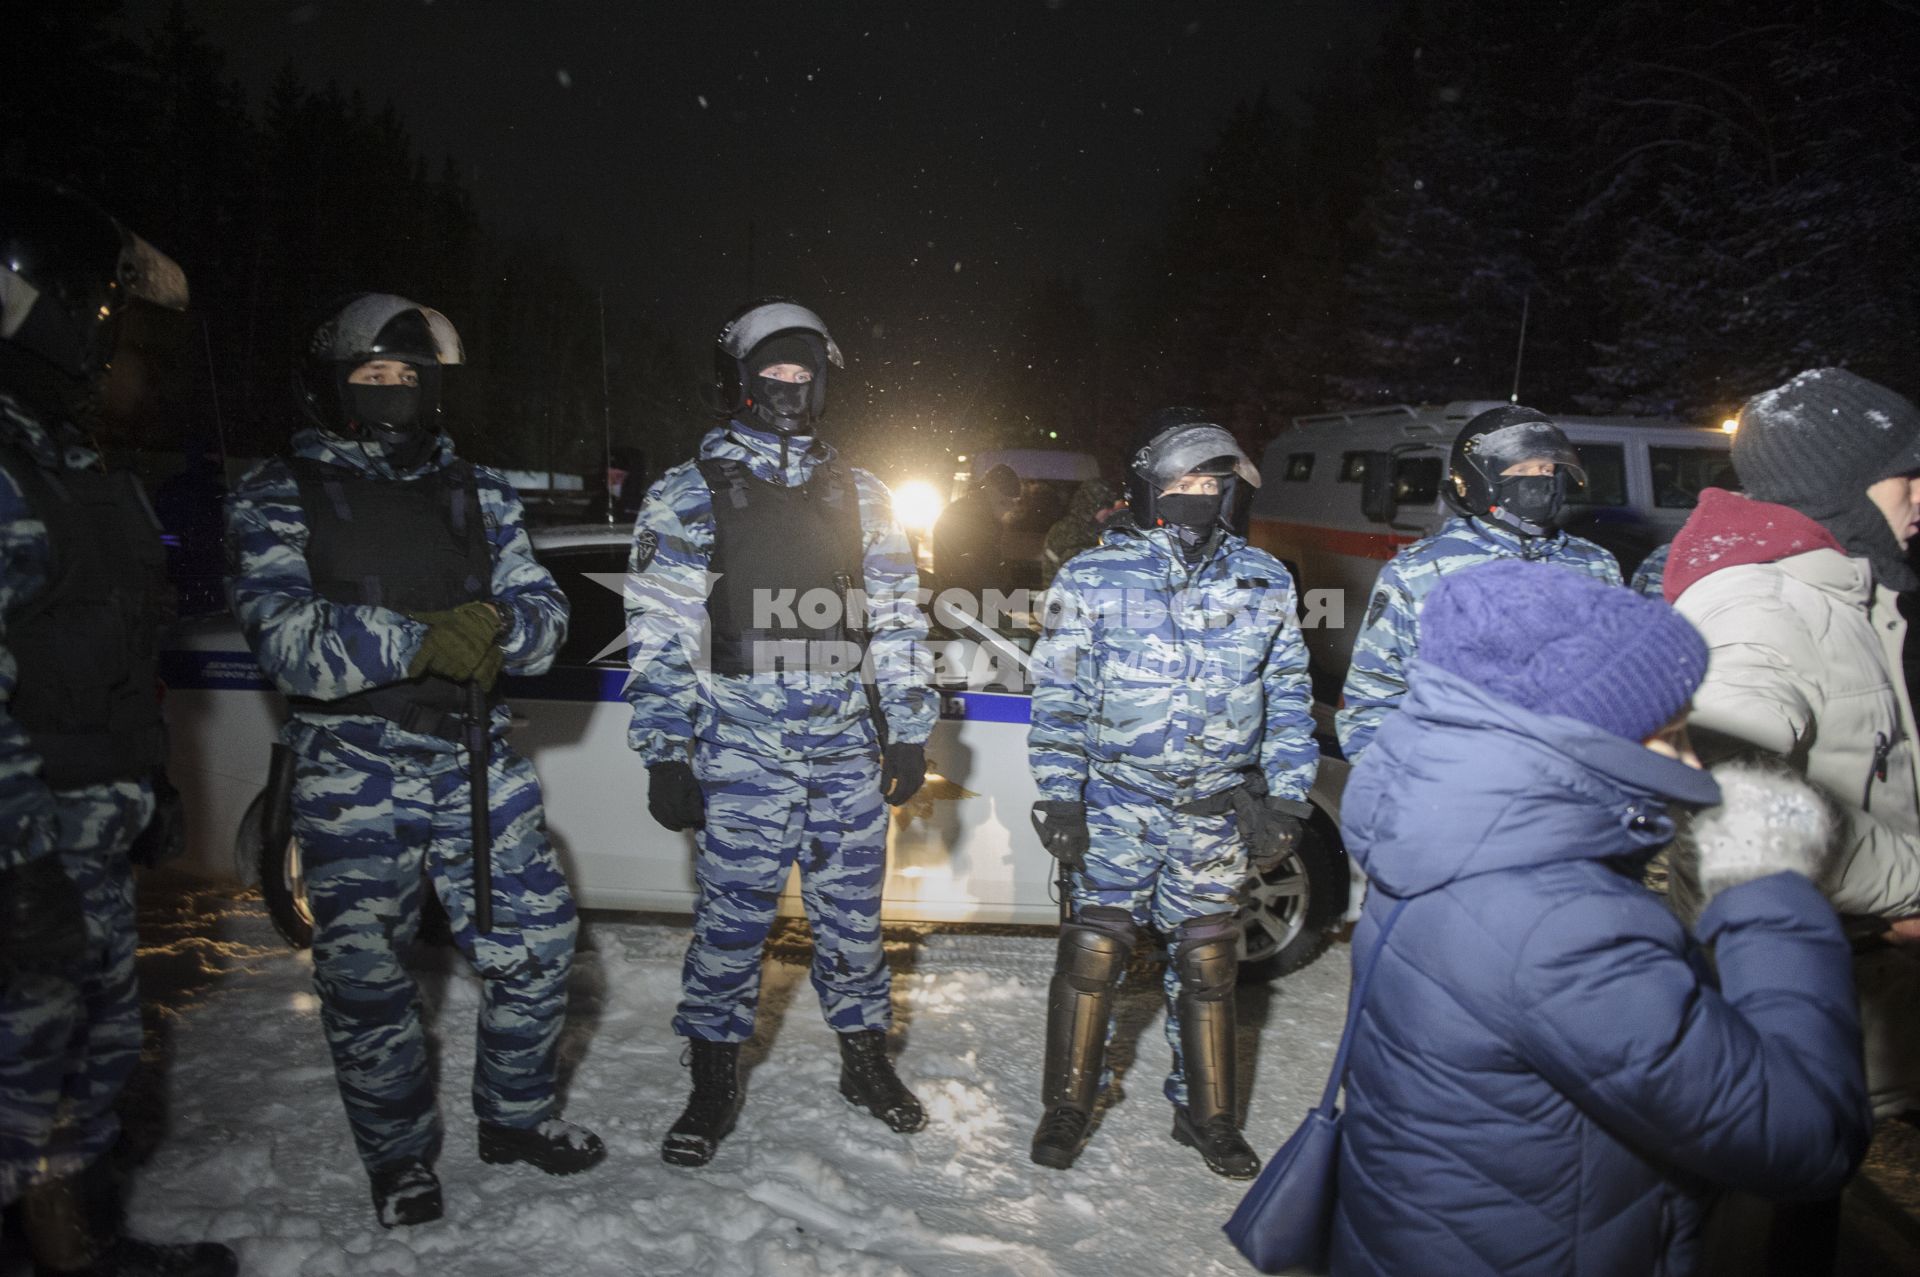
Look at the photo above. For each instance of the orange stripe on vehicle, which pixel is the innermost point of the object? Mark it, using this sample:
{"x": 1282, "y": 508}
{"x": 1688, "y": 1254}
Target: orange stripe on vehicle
{"x": 1273, "y": 536}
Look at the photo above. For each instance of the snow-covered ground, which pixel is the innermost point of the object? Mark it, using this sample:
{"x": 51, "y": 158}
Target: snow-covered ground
{"x": 250, "y": 1146}
{"x": 244, "y": 1141}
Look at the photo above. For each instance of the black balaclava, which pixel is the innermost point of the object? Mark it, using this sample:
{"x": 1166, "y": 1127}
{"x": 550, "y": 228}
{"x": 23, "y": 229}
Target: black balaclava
{"x": 1817, "y": 443}
{"x": 1192, "y": 517}
{"x": 392, "y": 418}
{"x": 786, "y": 407}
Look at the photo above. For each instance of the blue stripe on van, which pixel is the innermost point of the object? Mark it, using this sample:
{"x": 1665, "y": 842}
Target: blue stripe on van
{"x": 195, "y": 671}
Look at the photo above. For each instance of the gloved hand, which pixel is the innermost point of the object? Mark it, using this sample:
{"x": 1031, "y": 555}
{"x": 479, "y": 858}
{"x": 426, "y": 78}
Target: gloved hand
{"x": 1768, "y": 821}
{"x": 457, "y": 642}
{"x": 487, "y": 673}
{"x": 1275, "y": 835}
{"x": 1062, "y": 827}
{"x": 903, "y": 769}
{"x": 674, "y": 797}
{"x": 43, "y": 921}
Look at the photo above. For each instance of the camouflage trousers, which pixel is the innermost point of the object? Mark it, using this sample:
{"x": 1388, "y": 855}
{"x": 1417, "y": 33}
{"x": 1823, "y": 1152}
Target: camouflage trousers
{"x": 1162, "y": 867}
{"x": 366, "y": 841}
{"x": 825, "y": 815}
{"x": 70, "y": 1034}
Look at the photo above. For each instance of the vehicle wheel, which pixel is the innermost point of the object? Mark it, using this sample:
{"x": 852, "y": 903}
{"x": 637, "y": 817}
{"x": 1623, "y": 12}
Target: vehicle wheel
{"x": 278, "y": 870}
{"x": 1292, "y": 912}
{"x": 283, "y": 886}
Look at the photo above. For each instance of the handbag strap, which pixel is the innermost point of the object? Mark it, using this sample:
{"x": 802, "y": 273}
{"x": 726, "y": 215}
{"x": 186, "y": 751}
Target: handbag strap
{"x": 1339, "y": 1074}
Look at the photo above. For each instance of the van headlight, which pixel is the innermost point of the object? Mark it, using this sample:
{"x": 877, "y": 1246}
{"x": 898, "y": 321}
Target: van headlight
{"x": 917, "y": 505}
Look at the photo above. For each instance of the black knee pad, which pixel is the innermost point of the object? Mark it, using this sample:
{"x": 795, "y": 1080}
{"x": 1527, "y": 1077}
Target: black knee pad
{"x": 1206, "y": 954}
{"x": 1094, "y": 948}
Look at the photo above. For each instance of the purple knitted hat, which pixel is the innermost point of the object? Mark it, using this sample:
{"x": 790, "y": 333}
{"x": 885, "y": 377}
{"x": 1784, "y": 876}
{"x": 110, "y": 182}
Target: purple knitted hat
{"x": 1556, "y": 641}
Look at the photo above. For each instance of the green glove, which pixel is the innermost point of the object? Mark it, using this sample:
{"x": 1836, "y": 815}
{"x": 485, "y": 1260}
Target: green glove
{"x": 488, "y": 671}
{"x": 457, "y": 642}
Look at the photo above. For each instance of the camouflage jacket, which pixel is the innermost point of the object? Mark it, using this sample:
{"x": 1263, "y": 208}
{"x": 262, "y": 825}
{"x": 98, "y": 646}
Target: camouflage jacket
{"x": 32, "y": 816}
{"x": 1171, "y": 680}
{"x": 309, "y": 646}
{"x": 1650, "y": 578}
{"x": 676, "y": 697}
{"x": 1390, "y": 636}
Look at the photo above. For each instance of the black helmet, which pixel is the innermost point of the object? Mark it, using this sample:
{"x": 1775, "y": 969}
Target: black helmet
{"x": 1182, "y": 441}
{"x": 68, "y": 273}
{"x": 1496, "y": 440}
{"x": 375, "y": 326}
{"x": 773, "y": 330}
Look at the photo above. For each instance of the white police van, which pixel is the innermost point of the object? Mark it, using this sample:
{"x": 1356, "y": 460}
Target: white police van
{"x": 962, "y": 851}
{"x": 1341, "y": 492}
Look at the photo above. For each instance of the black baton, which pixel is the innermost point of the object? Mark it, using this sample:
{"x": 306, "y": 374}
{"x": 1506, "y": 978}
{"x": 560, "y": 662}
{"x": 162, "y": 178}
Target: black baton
{"x": 477, "y": 726}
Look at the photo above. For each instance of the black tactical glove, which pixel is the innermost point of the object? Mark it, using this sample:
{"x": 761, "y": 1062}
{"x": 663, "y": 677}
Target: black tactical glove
{"x": 674, "y": 797}
{"x": 458, "y": 643}
{"x": 903, "y": 769}
{"x": 1275, "y": 834}
{"x": 165, "y": 837}
{"x": 43, "y": 921}
{"x": 1062, "y": 827}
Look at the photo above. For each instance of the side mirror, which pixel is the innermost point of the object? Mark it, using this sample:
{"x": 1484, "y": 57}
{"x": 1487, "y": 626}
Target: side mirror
{"x": 1377, "y": 500}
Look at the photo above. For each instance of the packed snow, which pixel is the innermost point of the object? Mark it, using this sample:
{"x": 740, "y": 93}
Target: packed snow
{"x": 249, "y": 1145}
{"x": 241, "y": 1137}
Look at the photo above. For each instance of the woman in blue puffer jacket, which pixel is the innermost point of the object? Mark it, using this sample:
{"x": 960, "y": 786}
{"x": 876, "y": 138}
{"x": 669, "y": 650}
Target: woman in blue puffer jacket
{"x": 1547, "y": 1078}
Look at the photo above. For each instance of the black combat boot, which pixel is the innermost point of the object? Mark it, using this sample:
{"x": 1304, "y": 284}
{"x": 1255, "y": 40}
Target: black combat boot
{"x": 405, "y": 1193}
{"x": 712, "y": 1107}
{"x": 868, "y": 1081}
{"x": 1092, "y": 961}
{"x": 554, "y": 1146}
{"x": 73, "y": 1228}
{"x": 1208, "y": 964}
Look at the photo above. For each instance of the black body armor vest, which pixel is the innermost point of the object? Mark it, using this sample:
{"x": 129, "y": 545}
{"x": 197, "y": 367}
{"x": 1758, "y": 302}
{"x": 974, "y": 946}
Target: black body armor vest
{"x": 88, "y": 646}
{"x": 415, "y": 545}
{"x": 781, "y": 546}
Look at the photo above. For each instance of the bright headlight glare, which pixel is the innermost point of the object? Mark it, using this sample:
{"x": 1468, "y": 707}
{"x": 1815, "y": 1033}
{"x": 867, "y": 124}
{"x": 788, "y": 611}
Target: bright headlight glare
{"x": 917, "y": 505}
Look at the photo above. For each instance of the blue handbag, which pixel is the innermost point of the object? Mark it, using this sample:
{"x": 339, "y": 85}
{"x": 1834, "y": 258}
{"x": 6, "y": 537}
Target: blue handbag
{"x": 1285, "y": 1222}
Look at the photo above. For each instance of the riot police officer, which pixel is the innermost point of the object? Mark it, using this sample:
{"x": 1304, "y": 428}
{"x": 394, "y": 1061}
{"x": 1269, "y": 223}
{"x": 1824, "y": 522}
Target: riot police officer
{"x": 1172, "y": 745}
{"x": 384, "y": 584}
{"x": 1510, "y": 473}
{"x": 774, "y": 741}
{"x": 84, "y": 599}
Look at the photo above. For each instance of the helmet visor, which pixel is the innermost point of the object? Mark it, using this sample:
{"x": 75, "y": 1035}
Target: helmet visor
{"x": 1181, "y": 451}
{"x": 1500, "y": 450}
{"x": 149, "y": 275}
{"x": 366, "y": 326}
{"x": 762, "y": 322}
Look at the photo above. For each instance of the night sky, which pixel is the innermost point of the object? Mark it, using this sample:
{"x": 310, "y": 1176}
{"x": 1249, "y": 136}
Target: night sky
{"x": 912, "y": 171}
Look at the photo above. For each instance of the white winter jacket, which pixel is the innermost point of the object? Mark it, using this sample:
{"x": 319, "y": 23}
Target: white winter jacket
{"x": 1805, "y": 663}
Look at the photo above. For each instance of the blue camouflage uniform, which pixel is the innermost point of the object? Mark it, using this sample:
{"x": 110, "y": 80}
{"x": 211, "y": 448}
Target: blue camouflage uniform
{"x": 787, "y": 761}
{"x": 69, "y": 1036}
{"x": 1650, "y": 578}
{"x": 376, "y": 807}
{"x": 1390, "y": 636}
{"x": 1157, "y": 685}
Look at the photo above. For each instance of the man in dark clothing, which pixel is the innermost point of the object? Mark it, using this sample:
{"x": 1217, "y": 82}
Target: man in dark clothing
{"x": 966, "y": 540}
{"x": 82, "y": 602}
{"x": 1094, "y": 502}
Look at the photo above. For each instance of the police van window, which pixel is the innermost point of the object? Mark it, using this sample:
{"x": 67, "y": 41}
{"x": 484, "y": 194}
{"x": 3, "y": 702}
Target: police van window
{"x": 1353, "y": 467}
{"x": 1416, "y": 480}
{"x": 1606, "y": 467}
{"x": 1680, "y": 473}
{"x": 1299, "y": 466}
{"x": 598, "y": 613}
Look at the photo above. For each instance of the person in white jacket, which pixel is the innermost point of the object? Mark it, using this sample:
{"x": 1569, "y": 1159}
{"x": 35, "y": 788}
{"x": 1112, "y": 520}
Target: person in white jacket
{"x": 1795, "y": 588}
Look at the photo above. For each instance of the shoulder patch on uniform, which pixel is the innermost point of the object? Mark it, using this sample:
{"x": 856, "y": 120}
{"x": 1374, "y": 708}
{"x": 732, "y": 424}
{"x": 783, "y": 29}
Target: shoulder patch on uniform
{"x": 645, "y": 544}
{"x": 1375, "y": 608}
